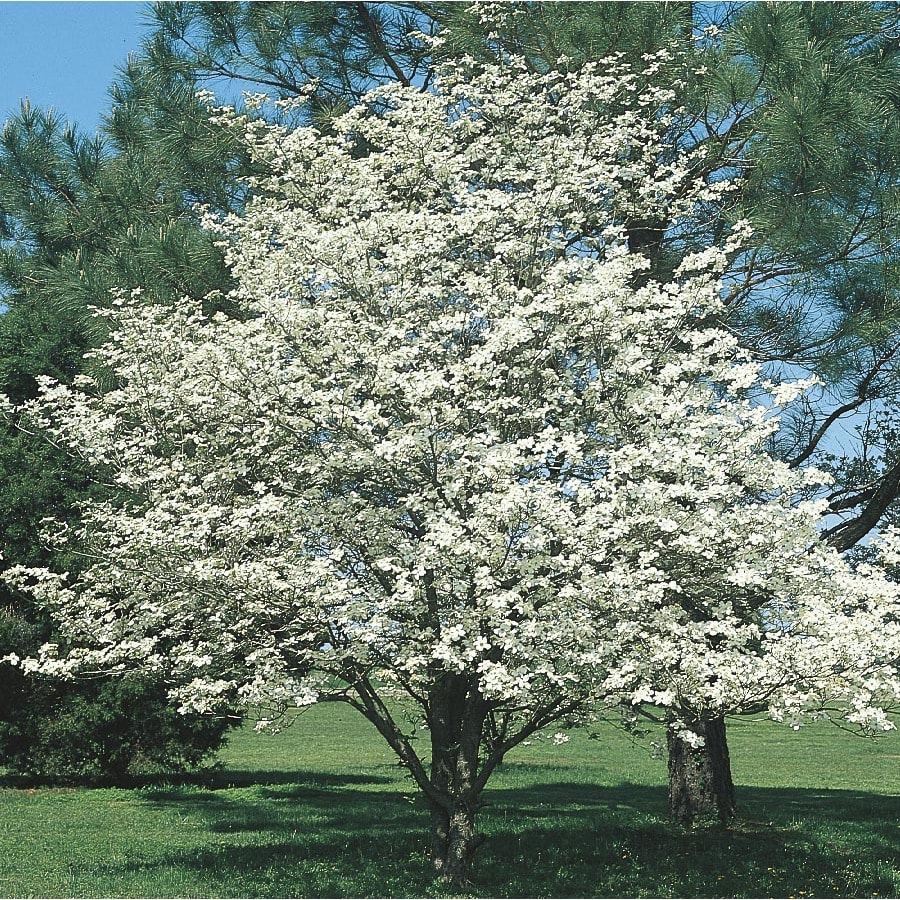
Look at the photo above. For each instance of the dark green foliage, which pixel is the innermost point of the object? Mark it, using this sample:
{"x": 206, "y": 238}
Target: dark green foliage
{"x": 101, "y": 731}
{"x": 545, "y": 33}
{"x": 120, "y": 212}
{"x": 283, "y": 48}
{"x": 106, "y": 735}
{"x": 79, "y": 218}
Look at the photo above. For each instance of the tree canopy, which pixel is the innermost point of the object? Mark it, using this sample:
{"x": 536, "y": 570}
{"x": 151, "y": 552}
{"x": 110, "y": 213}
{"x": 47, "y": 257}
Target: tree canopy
{"x": 457, "y": 444}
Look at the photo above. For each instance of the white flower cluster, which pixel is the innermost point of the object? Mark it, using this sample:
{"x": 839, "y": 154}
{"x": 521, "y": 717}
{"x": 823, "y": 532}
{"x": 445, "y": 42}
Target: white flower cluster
{"x": 458, "y": 430}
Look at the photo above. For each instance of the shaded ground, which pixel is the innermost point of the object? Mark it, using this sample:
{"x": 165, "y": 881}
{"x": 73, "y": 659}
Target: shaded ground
{"x": 586, "y": 820}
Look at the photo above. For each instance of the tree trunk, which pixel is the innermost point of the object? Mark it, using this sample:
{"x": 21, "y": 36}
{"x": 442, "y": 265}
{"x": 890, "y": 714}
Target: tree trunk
{"x": 456, "y": 722}
{"x": 700, "y": 783}
{"x": 454, "y": 843}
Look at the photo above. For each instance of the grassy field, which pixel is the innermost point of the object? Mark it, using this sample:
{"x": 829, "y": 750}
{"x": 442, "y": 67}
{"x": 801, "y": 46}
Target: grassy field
{"x": 323, "y": 810}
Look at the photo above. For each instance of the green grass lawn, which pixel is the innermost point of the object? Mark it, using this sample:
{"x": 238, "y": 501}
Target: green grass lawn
{"x": 323, "y": 810}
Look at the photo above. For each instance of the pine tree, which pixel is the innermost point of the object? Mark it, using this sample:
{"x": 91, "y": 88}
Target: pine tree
{"x": 78, "y": 217}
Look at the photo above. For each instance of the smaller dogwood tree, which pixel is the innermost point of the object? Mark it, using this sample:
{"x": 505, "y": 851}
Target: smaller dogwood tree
{"x": 457, "y": 456}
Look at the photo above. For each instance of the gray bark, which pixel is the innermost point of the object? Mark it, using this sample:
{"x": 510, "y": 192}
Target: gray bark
{"x": 457, "y": 719}
{"x": 700, "y": 782}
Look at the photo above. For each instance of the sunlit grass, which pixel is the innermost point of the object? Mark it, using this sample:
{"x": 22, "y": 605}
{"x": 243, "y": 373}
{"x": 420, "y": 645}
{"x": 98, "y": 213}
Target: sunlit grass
{"x": 323, "y": 810}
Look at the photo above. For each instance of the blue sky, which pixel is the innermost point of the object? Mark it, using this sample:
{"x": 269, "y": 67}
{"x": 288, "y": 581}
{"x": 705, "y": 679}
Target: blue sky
{"x": 65, "y": 54}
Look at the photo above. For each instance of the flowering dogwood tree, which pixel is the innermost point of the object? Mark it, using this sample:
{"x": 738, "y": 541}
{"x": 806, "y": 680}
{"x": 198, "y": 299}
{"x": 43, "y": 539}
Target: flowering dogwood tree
{"x": 458, "y": 457}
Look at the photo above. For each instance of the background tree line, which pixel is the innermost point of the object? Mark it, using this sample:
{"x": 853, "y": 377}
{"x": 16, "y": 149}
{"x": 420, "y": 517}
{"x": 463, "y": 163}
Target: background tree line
{"x": 798, "y": 103}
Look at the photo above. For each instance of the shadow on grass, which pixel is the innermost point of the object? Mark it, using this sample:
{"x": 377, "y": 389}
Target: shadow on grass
{"x": 330, "y": 835}
{"x": 213, "y": 778}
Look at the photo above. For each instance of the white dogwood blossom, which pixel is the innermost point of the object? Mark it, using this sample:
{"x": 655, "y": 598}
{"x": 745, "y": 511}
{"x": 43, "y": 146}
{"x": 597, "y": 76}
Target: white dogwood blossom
{"x": 458, "y": 448}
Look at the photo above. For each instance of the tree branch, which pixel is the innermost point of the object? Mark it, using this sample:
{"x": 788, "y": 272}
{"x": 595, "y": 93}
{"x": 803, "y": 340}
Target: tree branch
{"x": 847, "y": 534}
{"x": 862, "y": 394}
{"x": 379, "y": 44}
